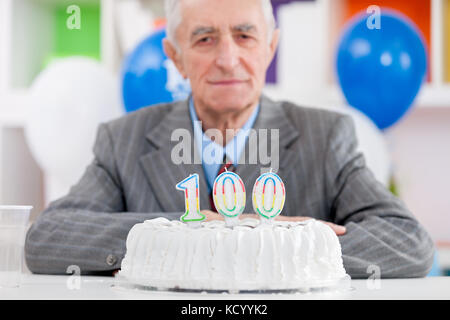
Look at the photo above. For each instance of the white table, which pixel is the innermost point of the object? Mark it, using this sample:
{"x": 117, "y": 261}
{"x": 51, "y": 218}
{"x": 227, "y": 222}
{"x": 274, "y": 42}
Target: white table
{"x": 45, "y": 287}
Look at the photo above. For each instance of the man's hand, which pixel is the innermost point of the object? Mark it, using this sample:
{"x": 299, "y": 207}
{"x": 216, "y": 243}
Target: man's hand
{"x": 338, "y": 229}
{"x": 211, "y": 215}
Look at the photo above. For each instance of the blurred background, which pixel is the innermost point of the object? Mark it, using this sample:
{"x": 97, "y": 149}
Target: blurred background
{"x": 66, "y": 66}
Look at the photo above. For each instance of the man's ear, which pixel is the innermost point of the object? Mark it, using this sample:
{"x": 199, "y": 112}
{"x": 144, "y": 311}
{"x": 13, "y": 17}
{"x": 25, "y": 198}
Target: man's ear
{"x": 273, "y": 46}
{"x": 174, "y": 55}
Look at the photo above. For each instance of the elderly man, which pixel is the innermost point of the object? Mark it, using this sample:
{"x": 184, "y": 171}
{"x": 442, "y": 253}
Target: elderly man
{"x": 224, "y": 48}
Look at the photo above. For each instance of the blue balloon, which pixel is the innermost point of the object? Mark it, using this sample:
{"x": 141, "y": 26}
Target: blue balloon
{"x": 381, "y": 70}
{"x": 149, "y": 77}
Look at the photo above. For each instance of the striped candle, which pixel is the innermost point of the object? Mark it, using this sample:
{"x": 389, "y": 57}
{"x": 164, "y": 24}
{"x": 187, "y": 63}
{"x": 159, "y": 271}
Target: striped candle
{"x": 229, "y": 196}
{"x": 190, "y": 187}
{"x": 268, "y": 196}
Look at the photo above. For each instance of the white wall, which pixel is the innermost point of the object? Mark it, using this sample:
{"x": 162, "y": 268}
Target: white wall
{"x": 22, "y": 179}
{"x": 420, "y": 148}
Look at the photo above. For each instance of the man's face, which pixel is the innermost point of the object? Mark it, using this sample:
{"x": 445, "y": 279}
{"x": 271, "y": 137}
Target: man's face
{"x": 224, "y": 51}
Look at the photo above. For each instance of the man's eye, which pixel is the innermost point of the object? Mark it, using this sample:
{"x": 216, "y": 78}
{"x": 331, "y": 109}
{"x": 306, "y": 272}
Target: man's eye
{"x": 244, "y": 37}
{"x": 205, "y": 40}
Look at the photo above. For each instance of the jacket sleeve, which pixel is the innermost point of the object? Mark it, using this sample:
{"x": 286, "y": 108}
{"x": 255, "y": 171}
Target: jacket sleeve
{"x": 381, "y": 232}
{"x": 88, "y": 227}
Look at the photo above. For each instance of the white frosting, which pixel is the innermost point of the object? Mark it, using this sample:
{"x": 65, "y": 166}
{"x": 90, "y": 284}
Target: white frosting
{"x": 250, "y": 256}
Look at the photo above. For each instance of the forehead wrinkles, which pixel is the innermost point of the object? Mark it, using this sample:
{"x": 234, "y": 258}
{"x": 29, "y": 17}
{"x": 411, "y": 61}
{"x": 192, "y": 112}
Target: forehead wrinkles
{"x": 189, "y": 12}
{"x": 244, "y": 27}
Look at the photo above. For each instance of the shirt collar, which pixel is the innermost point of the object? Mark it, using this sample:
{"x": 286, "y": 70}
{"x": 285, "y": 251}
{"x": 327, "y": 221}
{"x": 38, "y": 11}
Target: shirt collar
{"x": 212, "y": 152}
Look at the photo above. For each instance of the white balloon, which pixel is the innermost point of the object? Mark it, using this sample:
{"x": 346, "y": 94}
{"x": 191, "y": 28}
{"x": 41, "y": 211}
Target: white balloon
{"x": 371, "y": 142}
{"x": 67, "y": 102}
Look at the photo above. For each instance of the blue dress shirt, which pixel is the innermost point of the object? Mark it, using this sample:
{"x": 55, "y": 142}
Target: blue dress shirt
{"x": 212, "y": 153}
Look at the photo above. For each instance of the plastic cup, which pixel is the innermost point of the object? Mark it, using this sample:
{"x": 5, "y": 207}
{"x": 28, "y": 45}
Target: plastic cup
{"x": 13, "y": 226}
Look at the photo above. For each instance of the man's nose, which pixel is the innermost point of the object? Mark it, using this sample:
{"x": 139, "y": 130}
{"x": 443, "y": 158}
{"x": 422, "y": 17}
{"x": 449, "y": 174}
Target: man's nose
{"x": 228, "y": 54}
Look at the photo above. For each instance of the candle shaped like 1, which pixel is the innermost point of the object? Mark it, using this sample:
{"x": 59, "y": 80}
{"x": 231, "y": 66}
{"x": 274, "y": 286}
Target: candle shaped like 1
{"x": 193, "y": 216}
{"x": 268, "y": 196}
{"x": 229, "y": 196}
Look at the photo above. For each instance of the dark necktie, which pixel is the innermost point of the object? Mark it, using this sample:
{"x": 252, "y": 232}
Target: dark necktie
{"x": 226, "y": 165}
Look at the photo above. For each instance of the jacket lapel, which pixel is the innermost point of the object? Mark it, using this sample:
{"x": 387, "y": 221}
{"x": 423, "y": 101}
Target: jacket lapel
{"x": 162, "y": 172}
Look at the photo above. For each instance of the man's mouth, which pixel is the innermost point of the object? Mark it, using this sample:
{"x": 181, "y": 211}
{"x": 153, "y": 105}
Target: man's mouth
{"x": 227, "y": 82}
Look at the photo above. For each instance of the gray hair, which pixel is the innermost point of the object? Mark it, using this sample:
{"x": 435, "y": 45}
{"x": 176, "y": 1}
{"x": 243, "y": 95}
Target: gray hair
{"x": 173, "y": 17}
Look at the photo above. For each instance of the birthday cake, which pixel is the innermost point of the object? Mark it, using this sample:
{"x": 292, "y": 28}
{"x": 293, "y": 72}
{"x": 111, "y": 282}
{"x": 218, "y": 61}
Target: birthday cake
{"x": 248, "y": 256}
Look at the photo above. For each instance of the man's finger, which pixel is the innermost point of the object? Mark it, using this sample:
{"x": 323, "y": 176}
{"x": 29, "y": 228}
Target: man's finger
{"x": 338, "y": 229}
{"x": 292, "y": 218}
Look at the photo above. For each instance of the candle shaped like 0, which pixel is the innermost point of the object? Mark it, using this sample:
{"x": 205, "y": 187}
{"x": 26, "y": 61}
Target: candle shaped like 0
{"x": 265, "y": 203}
{"x": 229, "y": 187}
{"x": 192, "y": 199}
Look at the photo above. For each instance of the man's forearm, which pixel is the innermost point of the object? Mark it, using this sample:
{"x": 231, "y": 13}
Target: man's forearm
{"x": 394, "y": 246}
{"x": 92, "y": 241}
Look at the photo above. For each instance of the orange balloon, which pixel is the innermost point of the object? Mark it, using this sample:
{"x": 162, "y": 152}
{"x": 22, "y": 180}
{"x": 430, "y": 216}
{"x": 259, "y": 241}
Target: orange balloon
{"x": 159, "y": 23}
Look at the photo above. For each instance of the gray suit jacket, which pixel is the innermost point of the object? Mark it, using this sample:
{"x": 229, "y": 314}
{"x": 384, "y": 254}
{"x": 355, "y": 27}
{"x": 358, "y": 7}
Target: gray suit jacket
{"x": 132, "y": 178}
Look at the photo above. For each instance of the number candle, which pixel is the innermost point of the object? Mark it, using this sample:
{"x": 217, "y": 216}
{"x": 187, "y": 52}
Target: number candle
{"x": 192, "y": 216}
{"x": 268, "y": 196}
{"x": 229, "y": 196}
